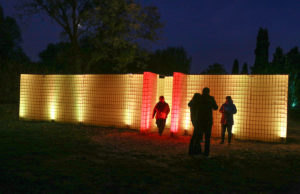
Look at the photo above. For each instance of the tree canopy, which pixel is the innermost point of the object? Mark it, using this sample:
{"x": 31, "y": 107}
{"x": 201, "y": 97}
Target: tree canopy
{"x": 244, "y": 69}
{"x": 261, "y": 63}
{"x": 12, "y": 58}
{"x": 113, "y": 28}
{"x": 235, "y": 67}
{"x": 169, "y": 60}
{"x": 215, "y": 69}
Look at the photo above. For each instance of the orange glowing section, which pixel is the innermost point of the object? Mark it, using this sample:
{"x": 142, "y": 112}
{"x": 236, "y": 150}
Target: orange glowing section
{"x": 148, "y": 100}
{"x": 178, "y": 106}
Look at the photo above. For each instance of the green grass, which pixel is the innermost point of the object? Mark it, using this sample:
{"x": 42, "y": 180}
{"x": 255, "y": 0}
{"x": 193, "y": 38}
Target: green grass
{"x": 45, "y": 157}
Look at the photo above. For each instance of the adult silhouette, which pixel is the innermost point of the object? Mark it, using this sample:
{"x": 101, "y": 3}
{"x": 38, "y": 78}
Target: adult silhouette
{"x": 205, "y": 115}
{"x": 194, "y": 104}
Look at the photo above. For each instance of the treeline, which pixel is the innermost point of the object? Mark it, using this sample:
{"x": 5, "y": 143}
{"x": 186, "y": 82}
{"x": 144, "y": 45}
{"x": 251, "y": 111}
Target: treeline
{"x": 281, "y": 63}
{"x": 101, "y": 36}
{"x": 107, "y": 36}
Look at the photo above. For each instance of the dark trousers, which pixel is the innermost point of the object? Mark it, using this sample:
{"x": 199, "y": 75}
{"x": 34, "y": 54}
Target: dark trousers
{"x": 161, "y": 123}
{"x": 195, "y": 144}
{"x": 229, "y": 130}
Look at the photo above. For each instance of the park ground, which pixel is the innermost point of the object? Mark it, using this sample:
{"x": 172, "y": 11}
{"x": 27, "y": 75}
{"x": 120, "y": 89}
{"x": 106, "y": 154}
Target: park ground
{"x": 45, "y": 157}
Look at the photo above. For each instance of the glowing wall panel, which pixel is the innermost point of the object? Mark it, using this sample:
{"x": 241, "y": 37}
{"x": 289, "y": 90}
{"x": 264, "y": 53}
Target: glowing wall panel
{"x": 148, "y": 101}
{"x": 33, "y": 98}
{"x": 261, "y": 102}
{"x": 107, "y": 100}
{"x": 113, "y": 100}
{"x": 179, "y": 111}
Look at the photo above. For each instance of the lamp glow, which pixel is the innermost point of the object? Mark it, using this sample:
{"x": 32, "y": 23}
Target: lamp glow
{"x": 52, "y": 111}
{"x": 127, "y": 111}
{"x": 187, "y": 120}
{"x": 282, "y": 132}
{"x": 23, "y": 95}
{"x": 79, "y": 96}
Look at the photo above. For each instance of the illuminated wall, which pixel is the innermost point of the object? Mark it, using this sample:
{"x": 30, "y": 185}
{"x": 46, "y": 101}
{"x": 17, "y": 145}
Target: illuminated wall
{"x": 261, "y": 102}
{"x": 127, "y": 101}
{"x": 106, "y": 100}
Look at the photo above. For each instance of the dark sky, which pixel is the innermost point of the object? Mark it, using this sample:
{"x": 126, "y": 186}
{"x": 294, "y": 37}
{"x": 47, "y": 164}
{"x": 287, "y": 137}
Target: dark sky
{"x": 210, "y": 30}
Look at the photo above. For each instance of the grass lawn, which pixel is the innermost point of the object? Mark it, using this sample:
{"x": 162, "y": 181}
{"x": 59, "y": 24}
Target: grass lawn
{"x": 44, "y": 157}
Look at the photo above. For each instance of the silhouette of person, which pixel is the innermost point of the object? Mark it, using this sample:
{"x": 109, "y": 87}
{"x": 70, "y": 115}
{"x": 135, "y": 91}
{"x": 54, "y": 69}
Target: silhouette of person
{"x": 161, "y": 111}
{"x": 194, "y": 104}
{"x": 227, "y": 110}
{"x": 207, "y": 105}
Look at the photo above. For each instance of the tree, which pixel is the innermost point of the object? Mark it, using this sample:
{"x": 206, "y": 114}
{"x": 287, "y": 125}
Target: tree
{"x": 235, "y": 67}
{"x": 13, "y": 60}
{"x": 244, "y": 69}
{"x": 54, "y": 59}
{"x": 261, "y": 64}
{"x": 215, "y": 69}
{"x": 293, "y": 65}
{"x": 169, "y": 60}
{"x": 119, "y": 26}
{"x": 10, "y": 36}
{"x": 69, "y": 14}
{"x": 278, "y": 64}
{"x": 111, "y": 25}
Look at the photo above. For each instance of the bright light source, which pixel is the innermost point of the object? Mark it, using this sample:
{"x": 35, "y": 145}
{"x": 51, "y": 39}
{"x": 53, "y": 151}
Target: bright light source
{"x": 283, "y": 132}
{"x": 52, "y": 111}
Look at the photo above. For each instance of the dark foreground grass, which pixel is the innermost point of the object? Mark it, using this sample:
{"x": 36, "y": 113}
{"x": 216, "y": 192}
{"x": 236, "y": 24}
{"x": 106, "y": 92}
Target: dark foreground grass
{"x": 42, "y": 157}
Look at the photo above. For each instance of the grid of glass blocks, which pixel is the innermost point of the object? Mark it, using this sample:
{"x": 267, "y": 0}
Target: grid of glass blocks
{"x": 148, "y": 101}
{"x": 107, "y": 100}
{"x": 117, "y": 100}
{"x": 261, "y": 102}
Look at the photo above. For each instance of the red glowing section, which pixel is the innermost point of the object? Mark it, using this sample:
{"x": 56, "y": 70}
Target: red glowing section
{"x": 148, "y": 99}
{"x": 179, "y": 90}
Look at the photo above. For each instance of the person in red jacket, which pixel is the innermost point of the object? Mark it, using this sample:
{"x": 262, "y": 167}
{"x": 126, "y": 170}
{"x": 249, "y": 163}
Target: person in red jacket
{"x": 161, "y": 111}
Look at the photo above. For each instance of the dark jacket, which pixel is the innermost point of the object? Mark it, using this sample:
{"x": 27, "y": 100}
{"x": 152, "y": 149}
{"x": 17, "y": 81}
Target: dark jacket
{"x": 227, "y": 110}
{"x": 208, "y": 104}
{"x": 161, "y": 110}
{"x": 194, "y": 105}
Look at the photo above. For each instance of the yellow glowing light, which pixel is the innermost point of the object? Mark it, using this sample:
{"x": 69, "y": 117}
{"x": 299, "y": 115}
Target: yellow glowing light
{"x": 22, "y": 106}
{"x": 282, "y": 132}
{"x": 52, "y": 111}
{"x": 52, "y": 94}
{"x": 79, "y": 112}
{"x": 187, "y": 121}
{"x": 128, "y": 118}
{"x": 22, "y": 111}
{"x": 128, "y": 103}
{"x": 79, "y": 88}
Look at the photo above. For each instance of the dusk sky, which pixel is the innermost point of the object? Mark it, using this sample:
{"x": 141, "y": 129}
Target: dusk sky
{"x": 210, "y": 30}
